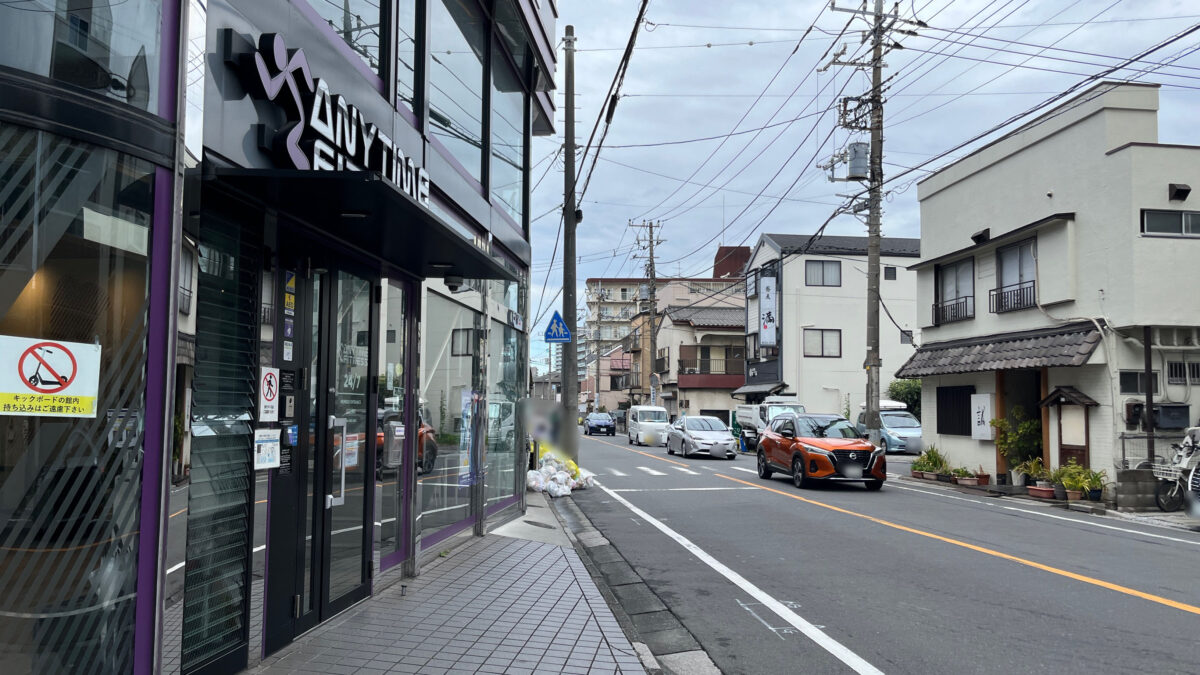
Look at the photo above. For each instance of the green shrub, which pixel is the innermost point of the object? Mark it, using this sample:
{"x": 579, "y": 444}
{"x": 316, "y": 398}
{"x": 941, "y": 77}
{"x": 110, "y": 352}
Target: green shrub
{"x": 907, "y": 392}
{"x": 1019, "y": 440}
{"x": 962, "y": 472}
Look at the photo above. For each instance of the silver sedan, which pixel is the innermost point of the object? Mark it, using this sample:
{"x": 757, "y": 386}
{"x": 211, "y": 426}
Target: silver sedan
{"x": 701, "y": 434}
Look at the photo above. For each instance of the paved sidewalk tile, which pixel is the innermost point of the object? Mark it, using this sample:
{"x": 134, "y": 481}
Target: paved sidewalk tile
{"x": 496, "y": 605}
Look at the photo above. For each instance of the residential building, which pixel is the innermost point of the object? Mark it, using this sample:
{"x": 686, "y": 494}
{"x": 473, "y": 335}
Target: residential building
{"x": 224, "y": 226}
{"x": 606, "y": 384}
{"x": 702, "y": 359}
{"x": 1059, "y": 268}
{"x": 806, "y": 313}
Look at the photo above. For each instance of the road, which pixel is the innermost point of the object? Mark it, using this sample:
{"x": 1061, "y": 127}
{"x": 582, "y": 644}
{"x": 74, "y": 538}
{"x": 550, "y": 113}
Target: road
{"x": 915, "y": 578}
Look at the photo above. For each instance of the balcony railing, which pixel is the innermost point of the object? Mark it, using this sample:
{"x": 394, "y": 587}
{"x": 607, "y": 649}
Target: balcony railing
{"x": 712, "y": 367}
{"x": 1009, "y": 298}
{"x": 958, "y": 309}
{"x": 661, "y": 365}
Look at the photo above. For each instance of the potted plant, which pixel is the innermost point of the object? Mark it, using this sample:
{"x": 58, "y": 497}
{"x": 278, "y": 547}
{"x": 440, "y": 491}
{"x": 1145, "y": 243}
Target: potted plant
{"x": 1095, "y": 484}
{"x": 933, "y": 463}
{"x": 1075, "y": 482}
{"x": 964, "y": 476}
{"x": 918, "y": 467}
{"x": 1019, "y": 439}
{"x": 1056, "y": 481}
{"x": 982, "y": 477}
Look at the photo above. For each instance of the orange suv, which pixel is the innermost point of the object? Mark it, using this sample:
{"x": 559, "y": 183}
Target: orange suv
{"x": 819, "y": 447}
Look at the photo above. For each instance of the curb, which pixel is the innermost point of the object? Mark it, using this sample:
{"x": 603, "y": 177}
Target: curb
{"x": 655, "y": 632}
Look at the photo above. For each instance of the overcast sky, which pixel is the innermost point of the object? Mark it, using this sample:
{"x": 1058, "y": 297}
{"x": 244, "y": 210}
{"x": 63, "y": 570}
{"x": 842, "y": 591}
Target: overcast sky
{"x": 952, "y": 81}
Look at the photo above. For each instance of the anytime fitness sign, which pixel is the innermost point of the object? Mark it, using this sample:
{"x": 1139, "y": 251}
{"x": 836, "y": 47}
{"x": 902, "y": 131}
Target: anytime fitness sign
{"x": 323, "y": 132}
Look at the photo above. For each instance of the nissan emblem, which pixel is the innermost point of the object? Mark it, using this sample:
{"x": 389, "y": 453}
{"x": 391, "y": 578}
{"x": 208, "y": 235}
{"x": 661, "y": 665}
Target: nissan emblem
{"x": 853, "y": 455}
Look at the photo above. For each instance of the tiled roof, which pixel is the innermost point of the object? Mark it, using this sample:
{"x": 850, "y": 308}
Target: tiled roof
{"x": 709, "y": 317}
{"x": 840, "y": 245}
{"x": 1069, "y": 345}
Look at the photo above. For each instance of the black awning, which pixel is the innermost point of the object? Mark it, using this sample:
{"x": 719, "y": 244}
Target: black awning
{"x": 760, "y": 388}
{"x": 1066, "y": 395}
{"x": 1061, "y": 346}
{"x": 370, "y": 213}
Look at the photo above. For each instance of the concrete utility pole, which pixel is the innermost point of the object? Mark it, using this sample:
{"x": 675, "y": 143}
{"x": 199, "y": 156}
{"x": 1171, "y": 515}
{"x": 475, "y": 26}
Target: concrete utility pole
{"x": 652, "y": 275}
{"x": 570, "y": 366}
{"x": 852, "y": 117}
{"x": 874, "y": 363}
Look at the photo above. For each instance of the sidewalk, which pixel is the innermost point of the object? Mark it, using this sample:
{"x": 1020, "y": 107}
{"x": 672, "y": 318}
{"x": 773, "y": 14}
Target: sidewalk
{"x": 518, "y": 600}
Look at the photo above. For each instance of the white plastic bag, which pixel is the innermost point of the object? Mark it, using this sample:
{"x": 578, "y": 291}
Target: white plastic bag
{"x": 535, "y": 481}
{"x": 555, "y": 489}
{"x": 562, "y": 478}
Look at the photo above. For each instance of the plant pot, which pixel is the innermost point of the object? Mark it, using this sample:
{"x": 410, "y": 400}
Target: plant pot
{"x": 943, "y": 477}
{"x": 1074, "y": 495}
{"x": 918, "y": 474}
{"x": 1096, "y": 494}
{"x": 984, "y": 479}
{"x": 1018, "y": 478}
{"x": 1039, "y": 492}
{"x": 930, "y": 475}
{"x": 968, "y": 480}
{"x": 1002, "y": 478}
{"x": 1043, "y": 483}
{"x": 1060, "y": 492}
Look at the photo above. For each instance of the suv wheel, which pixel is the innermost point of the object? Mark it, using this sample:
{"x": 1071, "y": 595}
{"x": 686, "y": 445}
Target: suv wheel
{"x": 764, "y": 471}
{"x": 798, "y": 477}
{"x": 874, "y": 485}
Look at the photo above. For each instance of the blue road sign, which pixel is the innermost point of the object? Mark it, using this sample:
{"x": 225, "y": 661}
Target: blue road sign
{"x": 557, "y": 330}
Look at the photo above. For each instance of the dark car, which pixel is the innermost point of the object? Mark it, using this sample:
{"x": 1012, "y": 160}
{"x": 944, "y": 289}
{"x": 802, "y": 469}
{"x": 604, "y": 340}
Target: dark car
{"x": 599, "y": 423}
{"x": 819, "y": 447}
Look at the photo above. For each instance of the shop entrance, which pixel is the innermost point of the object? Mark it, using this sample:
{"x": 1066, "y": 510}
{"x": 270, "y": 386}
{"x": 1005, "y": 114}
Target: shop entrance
{"x": 320, "y": 538}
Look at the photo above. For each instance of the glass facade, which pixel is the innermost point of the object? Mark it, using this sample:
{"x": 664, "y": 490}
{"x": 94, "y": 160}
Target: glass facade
{"x": 508, "y": 139}
{"x": 108, "y": 48}
{"x": 506, "y": 387}
{"x": 74, "y": 238}
{"x": 358, "y": 22}
{"x": 451, "y": 364}
{"x": 406, "y": 51}
{"x": 390, "y": 469}
{"x": 458, "y": 43}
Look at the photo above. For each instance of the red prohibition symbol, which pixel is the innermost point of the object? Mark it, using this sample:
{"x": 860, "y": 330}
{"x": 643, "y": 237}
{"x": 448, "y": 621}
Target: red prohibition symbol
{"x": 270, "y": 387}
{"x": 36, "y": 372}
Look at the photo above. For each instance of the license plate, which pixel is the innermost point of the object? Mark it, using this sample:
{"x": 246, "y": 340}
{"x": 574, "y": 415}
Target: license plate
{"x": 852, "y": 471}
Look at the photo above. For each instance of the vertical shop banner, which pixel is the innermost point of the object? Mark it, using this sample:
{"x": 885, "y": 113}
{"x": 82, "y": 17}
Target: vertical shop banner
{"x": 268, "y": 395}
{"x": 768, "y": 312}
{"x": 45, "y": 378}
{"x": 981, "y": 417}
{"x": 464, "y": 439}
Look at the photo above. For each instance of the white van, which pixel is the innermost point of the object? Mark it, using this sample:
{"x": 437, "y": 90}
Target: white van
{"x": 647, "y": 425}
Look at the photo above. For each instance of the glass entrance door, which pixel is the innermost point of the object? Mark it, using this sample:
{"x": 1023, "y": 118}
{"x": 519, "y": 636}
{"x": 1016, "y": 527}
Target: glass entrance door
{"x": 330, "y": 329}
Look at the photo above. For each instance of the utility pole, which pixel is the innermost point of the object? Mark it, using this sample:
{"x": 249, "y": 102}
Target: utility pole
{"x": 865, "y": 113}
{"x": 874, "y": 363}
{"x": 570, "y": 368}
{"x": 652, "y": 275}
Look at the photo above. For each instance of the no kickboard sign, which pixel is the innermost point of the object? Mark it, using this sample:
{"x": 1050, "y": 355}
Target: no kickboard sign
{"x": 48, "y": 378}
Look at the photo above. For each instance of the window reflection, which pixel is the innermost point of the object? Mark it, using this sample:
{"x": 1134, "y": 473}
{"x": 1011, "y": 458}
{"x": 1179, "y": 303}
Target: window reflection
{"x": 357, "y": 22}
{"x": 110, "y": 48}
{"x": 406, "y": 50}
{"x": 390, "y": 429}
{"x": 508, "y": 139}
{"x": 505, "y": 384}
{"x": 74, "y": 234}
{"x": 457, "y": 42}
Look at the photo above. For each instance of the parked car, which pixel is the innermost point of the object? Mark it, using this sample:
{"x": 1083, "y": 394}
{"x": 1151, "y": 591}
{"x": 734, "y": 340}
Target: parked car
{"x": 701, "y": 434}
{"x": 389, "y": 443}
{"x": 647, "y": 425}
{"x": 599, "y": 423}
{"x": 813, "y": 447}
{"x": 897, "y": 425}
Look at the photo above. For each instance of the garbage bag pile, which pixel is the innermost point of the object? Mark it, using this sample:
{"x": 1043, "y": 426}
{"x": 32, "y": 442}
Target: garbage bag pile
{"x": 556, "y": 476}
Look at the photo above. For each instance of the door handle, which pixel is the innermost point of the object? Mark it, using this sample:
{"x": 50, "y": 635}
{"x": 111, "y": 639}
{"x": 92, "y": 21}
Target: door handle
{"x": 328, "y": 502}
{"x": 332, "y": 421}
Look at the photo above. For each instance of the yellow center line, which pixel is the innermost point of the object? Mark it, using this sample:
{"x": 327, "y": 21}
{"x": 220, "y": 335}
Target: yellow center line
{"x": 1193, "y": 609}
{"x": 622, "y": 447}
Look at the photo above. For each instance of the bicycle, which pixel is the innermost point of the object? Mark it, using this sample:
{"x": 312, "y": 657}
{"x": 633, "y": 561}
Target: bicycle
{"x": 1173, "y": 477}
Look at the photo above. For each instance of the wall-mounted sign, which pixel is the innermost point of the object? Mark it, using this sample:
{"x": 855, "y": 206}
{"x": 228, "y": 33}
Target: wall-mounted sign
{"x": 268, "y": 395}
{"x": 266, "y": 449}
{"x": 323, "y": 132}
{"x": 981, "y": 417}
{"x": 768, "y": 312}
{"x": 45, "y": 378}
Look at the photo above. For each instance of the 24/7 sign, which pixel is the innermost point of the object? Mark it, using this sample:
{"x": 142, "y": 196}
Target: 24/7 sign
{"x": 48, "y": 378}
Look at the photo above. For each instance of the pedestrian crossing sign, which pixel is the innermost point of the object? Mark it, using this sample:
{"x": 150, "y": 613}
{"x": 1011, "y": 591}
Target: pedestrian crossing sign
{"x": 557, "y": 330}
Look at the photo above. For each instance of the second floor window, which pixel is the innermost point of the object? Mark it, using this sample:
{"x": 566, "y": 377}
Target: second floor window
{"x": 1016, "y": 274}
{"x": 826, "y": 343}
{"x": 458, "y": 41}
{"x": 822, "y": 273}
{"x": 460, "y": 342}
{"x": 955, "y": 299}
{"x": 1177, "y": 223}
{"x": 358, "y": 23}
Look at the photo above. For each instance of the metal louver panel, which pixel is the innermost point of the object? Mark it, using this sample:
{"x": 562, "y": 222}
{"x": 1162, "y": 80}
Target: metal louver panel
{"x": 216, "y": 589}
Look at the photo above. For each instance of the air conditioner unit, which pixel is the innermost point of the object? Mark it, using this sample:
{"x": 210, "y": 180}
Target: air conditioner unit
{"x": 691, "y": 371}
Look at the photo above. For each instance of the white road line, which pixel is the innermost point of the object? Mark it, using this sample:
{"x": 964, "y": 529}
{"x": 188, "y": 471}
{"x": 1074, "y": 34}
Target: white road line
{"x": 650, "y": 471}
{"x": 614, "y": 472}
{"x": 742, "y": 468}
{"x": 1051, "y": 515}
{"x": 695, "y": 489}
{"x": 856, "y": 663}
{"x": 687, "y": 470}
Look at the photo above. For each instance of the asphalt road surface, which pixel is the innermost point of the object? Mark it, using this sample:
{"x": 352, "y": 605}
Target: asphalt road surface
{"x": 915, "y": 578}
